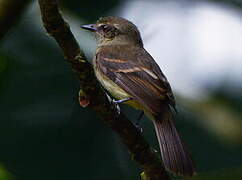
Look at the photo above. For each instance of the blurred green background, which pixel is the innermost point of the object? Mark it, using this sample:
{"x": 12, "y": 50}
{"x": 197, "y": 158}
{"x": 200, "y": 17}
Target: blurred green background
{"x": 44, "y": 134}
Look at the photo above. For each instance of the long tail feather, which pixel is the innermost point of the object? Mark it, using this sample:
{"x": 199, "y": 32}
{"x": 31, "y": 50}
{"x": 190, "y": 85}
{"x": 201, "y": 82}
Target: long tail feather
{"x": 174, "y": 155}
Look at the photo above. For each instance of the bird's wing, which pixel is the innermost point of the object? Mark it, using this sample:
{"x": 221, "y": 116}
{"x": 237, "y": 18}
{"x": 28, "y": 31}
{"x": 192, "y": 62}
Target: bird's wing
{"x": 135, "y": 71}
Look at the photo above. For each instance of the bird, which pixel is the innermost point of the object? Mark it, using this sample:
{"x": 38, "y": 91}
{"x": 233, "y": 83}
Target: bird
{"x": 130, "y": 74}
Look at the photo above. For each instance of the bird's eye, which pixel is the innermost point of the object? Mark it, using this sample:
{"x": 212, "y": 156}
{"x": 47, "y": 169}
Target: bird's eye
{"x": 105, "y": 28}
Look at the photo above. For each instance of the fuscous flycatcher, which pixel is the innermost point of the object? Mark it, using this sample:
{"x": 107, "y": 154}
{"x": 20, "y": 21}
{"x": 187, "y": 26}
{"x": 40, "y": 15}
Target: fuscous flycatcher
{"x": 127, "y": 71}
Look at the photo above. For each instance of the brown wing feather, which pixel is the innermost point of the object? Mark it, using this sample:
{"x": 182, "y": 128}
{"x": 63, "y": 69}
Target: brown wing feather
{"x": 137, "y": 73}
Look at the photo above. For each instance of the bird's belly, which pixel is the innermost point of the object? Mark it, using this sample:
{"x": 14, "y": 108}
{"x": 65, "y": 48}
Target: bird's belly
{"x": 115, "y": 90}
{"x": 111, "y": 87}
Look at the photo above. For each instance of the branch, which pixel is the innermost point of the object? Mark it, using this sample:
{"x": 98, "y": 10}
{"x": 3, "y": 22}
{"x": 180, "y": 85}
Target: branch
{"x": 92, "y": 95}
{"x": 10, "y": 12}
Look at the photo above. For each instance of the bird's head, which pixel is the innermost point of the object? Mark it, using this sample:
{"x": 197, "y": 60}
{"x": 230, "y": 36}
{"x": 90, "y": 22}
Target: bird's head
{"x": 115, "y": 31}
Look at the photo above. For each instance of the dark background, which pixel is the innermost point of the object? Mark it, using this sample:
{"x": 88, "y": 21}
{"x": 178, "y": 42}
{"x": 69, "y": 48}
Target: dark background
{"x": 44, "y": 134}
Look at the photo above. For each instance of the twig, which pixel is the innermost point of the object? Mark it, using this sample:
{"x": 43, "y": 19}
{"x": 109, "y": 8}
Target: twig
{"x": 95, "y": 98}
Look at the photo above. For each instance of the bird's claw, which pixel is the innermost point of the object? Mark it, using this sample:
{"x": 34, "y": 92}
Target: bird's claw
{"x": 116, "y": 104}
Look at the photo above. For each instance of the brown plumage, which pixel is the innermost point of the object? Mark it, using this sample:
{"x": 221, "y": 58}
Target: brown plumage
{"x": 126, "y": 69}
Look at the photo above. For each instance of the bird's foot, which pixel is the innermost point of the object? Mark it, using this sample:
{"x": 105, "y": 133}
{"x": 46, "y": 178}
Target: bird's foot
{"x": 112, "y": 101}
{"x": 117, "y": 102}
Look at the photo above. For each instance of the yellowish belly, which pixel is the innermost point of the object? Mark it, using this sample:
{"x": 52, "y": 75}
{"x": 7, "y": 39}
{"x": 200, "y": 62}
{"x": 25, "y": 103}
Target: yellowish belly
{"x": 115, "y": 90}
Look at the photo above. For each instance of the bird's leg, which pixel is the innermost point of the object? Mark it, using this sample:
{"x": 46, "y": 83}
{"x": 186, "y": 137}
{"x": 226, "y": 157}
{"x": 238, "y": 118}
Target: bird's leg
{"x": 137, "y": 123}
{"x": 117, "y": 102}
{"x": 111, "y": 101}
{"x": 122, "y": 100}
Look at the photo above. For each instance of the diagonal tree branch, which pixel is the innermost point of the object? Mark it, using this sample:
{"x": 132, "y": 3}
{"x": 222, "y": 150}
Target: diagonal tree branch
{"x": 93, "y": 96}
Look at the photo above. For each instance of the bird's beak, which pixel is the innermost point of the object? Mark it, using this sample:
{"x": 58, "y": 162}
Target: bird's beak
{"x": 90, "y": 27}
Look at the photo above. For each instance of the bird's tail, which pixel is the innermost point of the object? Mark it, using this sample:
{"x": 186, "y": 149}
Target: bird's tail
{"x": 174, "y": 155}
